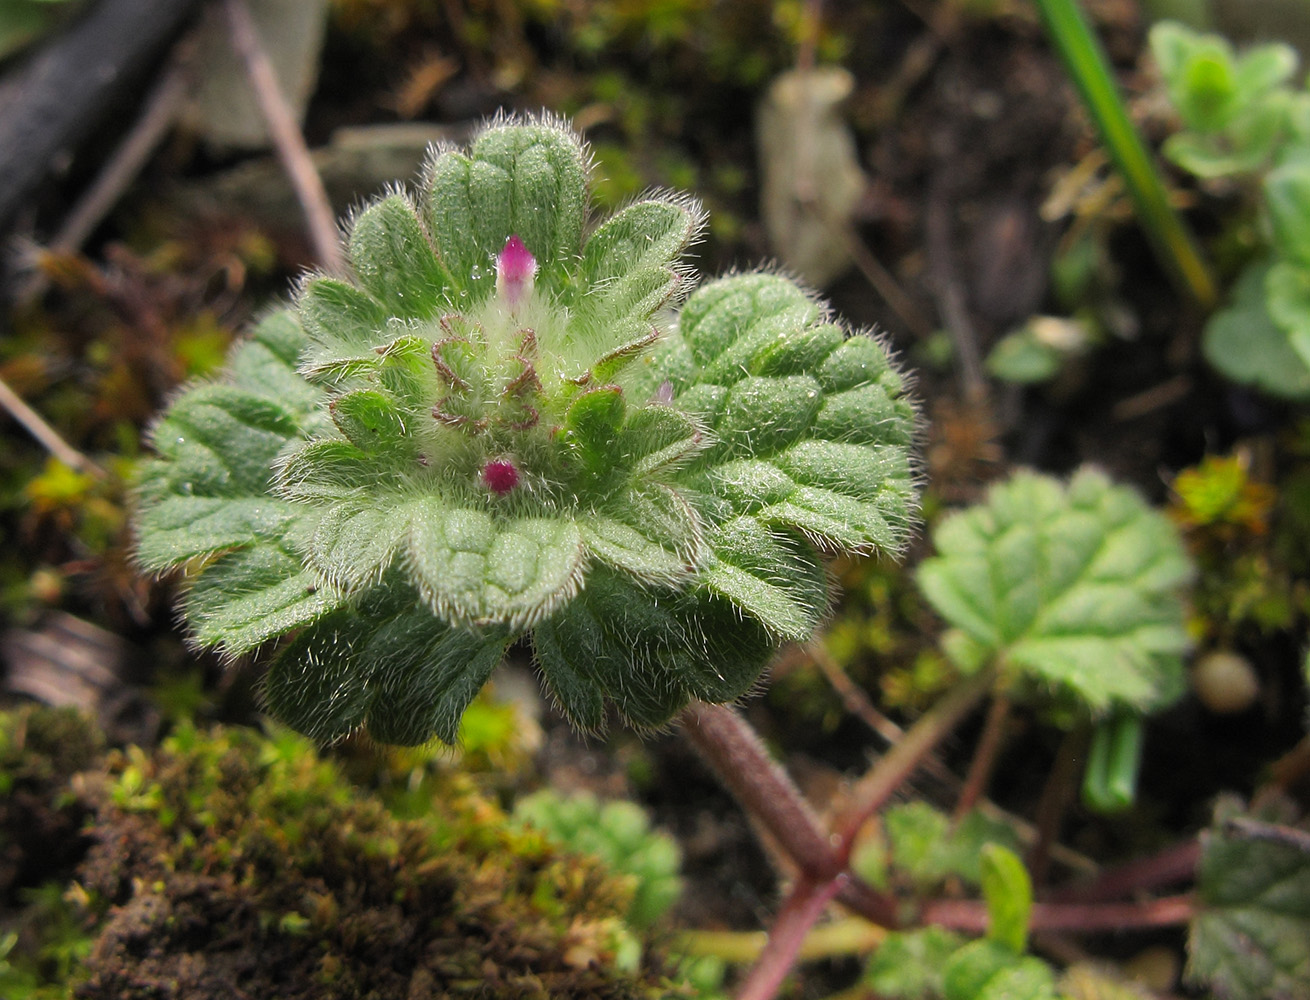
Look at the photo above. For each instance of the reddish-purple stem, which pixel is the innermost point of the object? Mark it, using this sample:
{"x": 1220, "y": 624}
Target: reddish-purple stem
{"x": 970, "y": 915}
{"x": 762, "y": 787}
{"x": 803, "y": 907}
{"x": 1169, "y": 867}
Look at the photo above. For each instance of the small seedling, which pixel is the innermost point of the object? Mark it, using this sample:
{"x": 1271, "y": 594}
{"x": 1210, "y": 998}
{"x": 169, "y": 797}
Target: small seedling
{"x": 1246, "y": 126}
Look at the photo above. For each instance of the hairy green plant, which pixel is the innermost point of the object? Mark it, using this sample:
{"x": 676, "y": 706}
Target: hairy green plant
{"x": 500, "y": 427}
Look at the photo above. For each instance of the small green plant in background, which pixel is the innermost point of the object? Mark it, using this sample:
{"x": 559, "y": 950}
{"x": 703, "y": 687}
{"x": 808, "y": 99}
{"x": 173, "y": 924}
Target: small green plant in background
{"x": 1246, "y": 124}
{"x": 1072, "y": 594}
{"x": 619, "y": 834}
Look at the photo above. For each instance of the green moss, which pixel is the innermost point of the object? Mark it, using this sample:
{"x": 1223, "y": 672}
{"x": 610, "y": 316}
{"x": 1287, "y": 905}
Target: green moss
{"x": 229, "y": 863}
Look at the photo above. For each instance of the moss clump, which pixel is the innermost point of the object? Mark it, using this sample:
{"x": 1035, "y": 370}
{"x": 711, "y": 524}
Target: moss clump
{"x": 40, "y": 750}
{"x": 230, "y": 864}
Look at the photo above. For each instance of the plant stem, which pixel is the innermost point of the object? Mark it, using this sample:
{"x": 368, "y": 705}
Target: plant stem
{"x": 1056, "y": 795}
{"x": 45, "y": 435}
{"x": 847, "y": 936}
{"x": 1087, "y": 66}
{"x": 984, "y": 758}
{"x": 900, "y": 761}
{"x": 803, "y": 907}
{"x": 1173, "y": 865}
{"x": 971, "y": 915}
{"x": 762, "y": 787}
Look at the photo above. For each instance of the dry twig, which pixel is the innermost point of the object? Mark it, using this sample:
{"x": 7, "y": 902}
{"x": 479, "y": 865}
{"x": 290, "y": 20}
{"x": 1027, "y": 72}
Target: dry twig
{"x": 286, "y": 136}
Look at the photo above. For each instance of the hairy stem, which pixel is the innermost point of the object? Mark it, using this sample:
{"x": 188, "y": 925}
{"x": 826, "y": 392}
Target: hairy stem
{"x": 759, "y": 783}
{"x": 803, "y": 907}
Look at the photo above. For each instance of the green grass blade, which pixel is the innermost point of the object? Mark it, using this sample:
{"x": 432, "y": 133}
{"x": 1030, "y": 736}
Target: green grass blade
{"x": 1087, "y": 66}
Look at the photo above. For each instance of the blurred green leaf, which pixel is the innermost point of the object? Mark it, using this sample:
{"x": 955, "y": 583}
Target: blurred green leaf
{"x": 1244, "y": 343}
{"x": 1251, "y": 940}
{"x": 1073, "y": 590}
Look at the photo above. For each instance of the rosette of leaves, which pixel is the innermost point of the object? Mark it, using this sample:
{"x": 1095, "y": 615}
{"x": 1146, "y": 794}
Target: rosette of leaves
{"x": 500, "y": 426}
{"x": 1072, "y": 591}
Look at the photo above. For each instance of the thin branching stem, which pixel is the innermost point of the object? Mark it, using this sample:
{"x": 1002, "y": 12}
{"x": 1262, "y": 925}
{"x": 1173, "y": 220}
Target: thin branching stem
{"x": 890, "y": 772}
{"x": 971, "y": 915}
{"x": 1056, "y": 795}
{"x": 1171, "y": 866}
{"x": 45, "y": 435}
{"x": 985, "y": 757}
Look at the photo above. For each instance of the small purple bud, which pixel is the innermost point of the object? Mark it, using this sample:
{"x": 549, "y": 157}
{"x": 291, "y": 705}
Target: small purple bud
{"x": 500, "y": 476}
{"x": 664, "y": 394}
{"x": 515, "y": 270}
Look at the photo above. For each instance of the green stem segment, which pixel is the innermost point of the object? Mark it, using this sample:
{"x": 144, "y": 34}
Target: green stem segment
{"x": 1086, "y": 63}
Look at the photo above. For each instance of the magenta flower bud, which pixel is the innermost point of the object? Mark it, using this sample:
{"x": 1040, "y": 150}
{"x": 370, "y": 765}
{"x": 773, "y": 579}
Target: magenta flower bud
{"x": 515, "y": 270}
{"x": 500, "y": 475}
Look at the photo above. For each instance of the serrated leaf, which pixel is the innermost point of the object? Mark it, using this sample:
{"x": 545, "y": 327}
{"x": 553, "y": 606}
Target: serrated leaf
{"x": 777, "y": 580}
{"x": 471, "y": 566}
{"x": 343, "y": 323}
{"x": 650, "y": 532}
{"x": 910, "y": 965}
{"x": 654, "y": 439}
{"x": 394, "y": 261}
{"x": 424, "y": 675}
{"x": 373, "y": 421}
{"x": 1251, "y": 940}
{"x": 221, "y": 440}
{"x": 266, "y": 365}
{"x": 985, "y": 970}
{"x": 628, "y": 269}
{"x": 318, "y": 684}
{"x": 252, "y": 596}
{"x": 1075, "y": 590}
{"x": 736, "y": 317}
{"x": 356, "y": 541}
{"x": 526, "y": 179}
{"x": 925, "y": 844}
{"x": 176, "y": 529}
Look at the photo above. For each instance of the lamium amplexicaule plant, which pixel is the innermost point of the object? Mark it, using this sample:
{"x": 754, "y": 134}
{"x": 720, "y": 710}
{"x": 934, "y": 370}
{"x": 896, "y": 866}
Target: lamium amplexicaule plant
{"x": 510, "y": 423}
{"x": 503, "y": 425}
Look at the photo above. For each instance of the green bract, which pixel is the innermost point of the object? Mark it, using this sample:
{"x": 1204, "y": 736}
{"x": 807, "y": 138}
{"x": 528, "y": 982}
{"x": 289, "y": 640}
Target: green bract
{"x": 498, "y": 427}
{"x": 1071, "y": 591}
